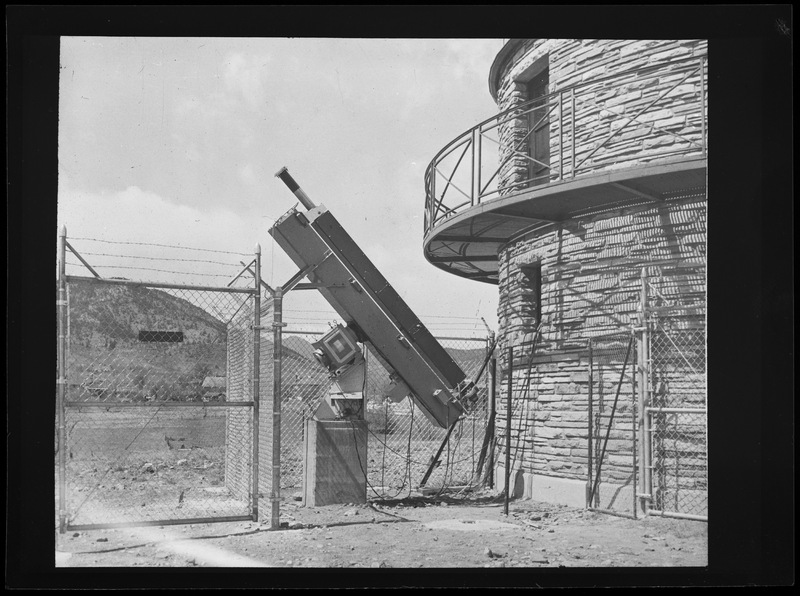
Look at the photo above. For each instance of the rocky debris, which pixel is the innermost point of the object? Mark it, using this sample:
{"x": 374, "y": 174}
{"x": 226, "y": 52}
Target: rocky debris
{"x": 491, "y": 554}
{"x": 148, "y": 467}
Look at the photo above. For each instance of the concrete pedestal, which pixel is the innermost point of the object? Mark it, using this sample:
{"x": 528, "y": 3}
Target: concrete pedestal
{"x": 335, "y": 462}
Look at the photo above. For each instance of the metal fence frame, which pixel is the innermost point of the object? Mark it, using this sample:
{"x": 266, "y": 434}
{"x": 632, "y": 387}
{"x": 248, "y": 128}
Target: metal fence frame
{"x": 127, "y": 412}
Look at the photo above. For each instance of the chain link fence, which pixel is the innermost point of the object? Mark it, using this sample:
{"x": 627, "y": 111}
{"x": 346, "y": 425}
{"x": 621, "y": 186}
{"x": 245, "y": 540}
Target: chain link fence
{"x": 403, "y": 443}
{"x": 151, "y": 431}
{"x": 401, "y": 440}
{"x": 676, "y": 410}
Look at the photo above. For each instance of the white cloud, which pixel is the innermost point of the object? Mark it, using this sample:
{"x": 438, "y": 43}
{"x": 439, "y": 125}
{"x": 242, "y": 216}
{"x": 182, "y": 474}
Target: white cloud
{"x": 245, "y": 76}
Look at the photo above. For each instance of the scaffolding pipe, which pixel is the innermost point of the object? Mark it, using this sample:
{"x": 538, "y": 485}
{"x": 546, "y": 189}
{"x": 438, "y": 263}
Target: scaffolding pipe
{"x": 507, "y": 471}
{"x": 634, "y": 447}
{"x": 277, "y": 331}
{"x": 490, "y": 435}
{"x": 61, "y": 303}
{"x": 590, "y": 398}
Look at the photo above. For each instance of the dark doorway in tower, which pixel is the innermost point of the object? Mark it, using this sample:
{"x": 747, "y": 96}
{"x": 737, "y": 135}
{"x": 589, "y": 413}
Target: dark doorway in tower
{"x": 538, "y": 130}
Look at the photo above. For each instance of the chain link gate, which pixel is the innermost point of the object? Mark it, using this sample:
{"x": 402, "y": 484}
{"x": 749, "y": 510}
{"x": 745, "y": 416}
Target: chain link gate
{"x": 612, "y": 421}
{"x": 675, "y": 420}
{"x": 156, "y": 424}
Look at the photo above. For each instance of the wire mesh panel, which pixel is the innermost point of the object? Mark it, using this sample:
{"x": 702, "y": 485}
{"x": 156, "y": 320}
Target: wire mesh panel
{"x": 140, "y": 464}
{"x": 304, "y": 384}
{"x": 677, "y": 397}
{"x": 613, "y": 419}
{"x": 679, "y": 467}
{"x": 403, "y": 443}
{"x": 153, "y": 430}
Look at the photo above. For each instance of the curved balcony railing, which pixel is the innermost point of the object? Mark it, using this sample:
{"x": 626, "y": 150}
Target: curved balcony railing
{"x": 614, "y": 122}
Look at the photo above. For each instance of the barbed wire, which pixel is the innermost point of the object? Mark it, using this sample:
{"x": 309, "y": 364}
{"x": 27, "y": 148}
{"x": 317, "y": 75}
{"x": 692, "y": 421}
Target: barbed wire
{"x": 100, "y": 254}
{"x": 225, "y": 252}
{"x": 154, "y": 270}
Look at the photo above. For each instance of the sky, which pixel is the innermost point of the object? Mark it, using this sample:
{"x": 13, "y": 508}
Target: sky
{"x": 175, "y": 142}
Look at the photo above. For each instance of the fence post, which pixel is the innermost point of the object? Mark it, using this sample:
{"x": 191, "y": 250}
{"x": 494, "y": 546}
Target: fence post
{"x": 61, "y": 303}
{"x": 644, "y": 400}
{"x": 507, "y": 472}
{"x": 277, "y": 333}
{"x": 256, "y": 376}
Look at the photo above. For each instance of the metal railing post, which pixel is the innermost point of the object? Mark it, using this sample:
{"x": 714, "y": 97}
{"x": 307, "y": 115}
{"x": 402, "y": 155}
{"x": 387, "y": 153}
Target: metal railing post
{"x": 472, "y": 197}
{"x": 703, "y": 104}
{"x": 277, "y": 331}
{"x": 61, "y": 303}
{"x": 479, "y": 153}
{"x": 256, "y": 377}
{"x": 572, "y": 130}
{"x": 561, "y": 135}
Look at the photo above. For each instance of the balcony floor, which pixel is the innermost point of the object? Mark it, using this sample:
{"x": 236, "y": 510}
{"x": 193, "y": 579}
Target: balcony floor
{"x": 467, "y": 244}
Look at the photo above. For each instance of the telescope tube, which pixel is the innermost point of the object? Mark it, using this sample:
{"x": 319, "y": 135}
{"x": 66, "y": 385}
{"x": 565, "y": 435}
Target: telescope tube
{"x": 284, "y": 175}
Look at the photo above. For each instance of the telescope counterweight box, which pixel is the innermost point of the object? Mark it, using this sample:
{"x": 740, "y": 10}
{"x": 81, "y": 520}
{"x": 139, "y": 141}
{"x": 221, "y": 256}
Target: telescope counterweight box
{"x": 335, "y": 462}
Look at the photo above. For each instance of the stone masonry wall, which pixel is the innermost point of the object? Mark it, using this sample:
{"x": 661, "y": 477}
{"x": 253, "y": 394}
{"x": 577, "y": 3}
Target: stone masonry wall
{"x": 591, "y": 283}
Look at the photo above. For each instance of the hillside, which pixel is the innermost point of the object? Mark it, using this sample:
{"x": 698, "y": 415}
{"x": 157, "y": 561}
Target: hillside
{"x": 108, "y": 362}
{"x": 103, "y": 314}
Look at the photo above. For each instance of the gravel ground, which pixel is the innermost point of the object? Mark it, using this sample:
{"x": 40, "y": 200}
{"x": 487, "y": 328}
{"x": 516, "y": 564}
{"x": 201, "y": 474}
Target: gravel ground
{"x": 416, "y": 532}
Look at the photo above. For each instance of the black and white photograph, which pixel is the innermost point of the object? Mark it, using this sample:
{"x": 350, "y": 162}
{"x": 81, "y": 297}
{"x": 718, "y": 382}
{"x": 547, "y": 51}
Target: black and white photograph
{"x": 383, "y": 303}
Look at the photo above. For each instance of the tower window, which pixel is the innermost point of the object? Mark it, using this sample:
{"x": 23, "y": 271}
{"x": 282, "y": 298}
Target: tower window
{"x": 531, "y": 294}
{"x": 538, "y": 130}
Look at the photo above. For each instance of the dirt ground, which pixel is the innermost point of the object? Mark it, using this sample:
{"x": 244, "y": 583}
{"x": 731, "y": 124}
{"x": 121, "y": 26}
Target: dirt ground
{"x": 431, "y": 531}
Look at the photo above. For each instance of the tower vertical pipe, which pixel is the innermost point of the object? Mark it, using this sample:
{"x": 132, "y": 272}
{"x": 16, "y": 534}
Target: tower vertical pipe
{"x": 61, "y": 303}
{"x": 256, "y": 377}
{"x": 277, "y": 349}
{"x": 508, "y": 428}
